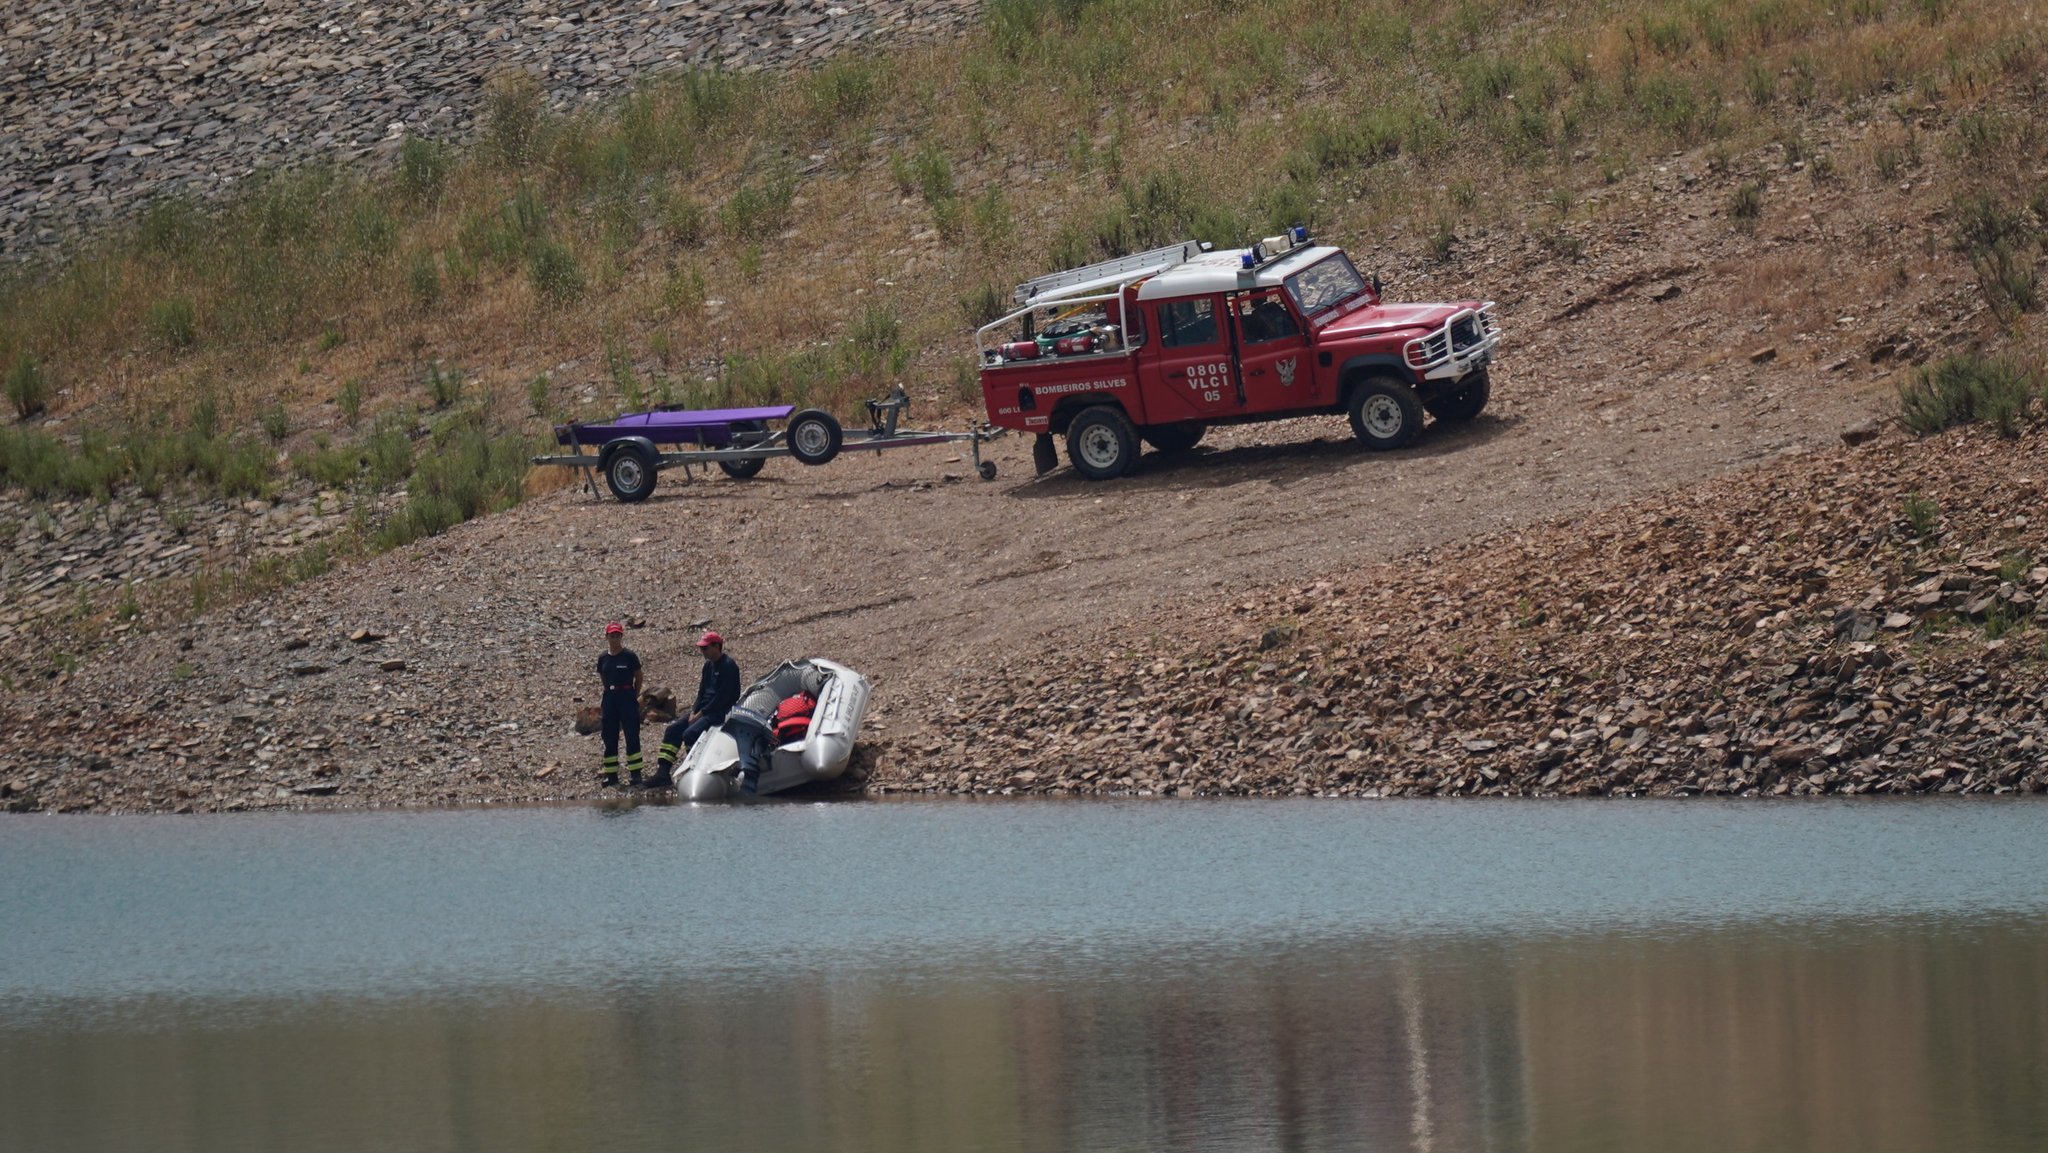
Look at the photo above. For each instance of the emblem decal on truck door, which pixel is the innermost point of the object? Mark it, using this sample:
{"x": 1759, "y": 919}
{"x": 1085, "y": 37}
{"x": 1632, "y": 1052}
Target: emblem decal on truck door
{"x": 1286, "y": 370}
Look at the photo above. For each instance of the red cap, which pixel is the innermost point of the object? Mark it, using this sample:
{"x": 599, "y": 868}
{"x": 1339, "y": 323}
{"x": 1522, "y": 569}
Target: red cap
{"x": 709, "y": 639}
{"x": 615, "y": 628}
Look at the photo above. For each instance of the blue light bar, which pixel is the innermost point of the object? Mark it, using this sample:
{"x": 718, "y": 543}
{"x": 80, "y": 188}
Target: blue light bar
{"x": 1248, "y": 261}
{"x": 1301, "y": 234}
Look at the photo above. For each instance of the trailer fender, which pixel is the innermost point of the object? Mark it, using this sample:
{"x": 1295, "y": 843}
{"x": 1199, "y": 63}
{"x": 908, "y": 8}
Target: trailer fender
{"x": 640, "y": 444}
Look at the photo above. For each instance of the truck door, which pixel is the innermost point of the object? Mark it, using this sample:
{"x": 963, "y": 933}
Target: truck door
{"x": 1195, "y": 368}
{"x": 1273, "y": 353}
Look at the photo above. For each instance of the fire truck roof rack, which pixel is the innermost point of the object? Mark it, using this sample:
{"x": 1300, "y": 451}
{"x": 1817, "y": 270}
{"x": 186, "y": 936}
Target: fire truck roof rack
{"x": 1107, "y": 273}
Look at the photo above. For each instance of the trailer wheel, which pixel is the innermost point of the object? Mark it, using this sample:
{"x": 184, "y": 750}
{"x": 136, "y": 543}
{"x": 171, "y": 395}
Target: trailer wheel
{"x": 814, "y": 436}
{"x": 1172, "y": 438}
{"x": 743, "y": 469}
{"x": 1462, "y": 402}
{"x": 987, "y": 469}
{"x": 630, "y": 473}
{"x": 1385, "y": 413}
{"x": 1101, "y": 443}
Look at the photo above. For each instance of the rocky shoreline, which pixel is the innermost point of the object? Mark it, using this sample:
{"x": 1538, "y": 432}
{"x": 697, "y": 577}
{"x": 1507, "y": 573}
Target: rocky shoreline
{"x": 109, "y": 105}
{"x": 1866, "y": 620}
{"x": 1869, "y": 620}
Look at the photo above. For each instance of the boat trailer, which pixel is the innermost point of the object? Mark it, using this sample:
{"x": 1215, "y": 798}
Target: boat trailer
{"x": 632, "y": 449}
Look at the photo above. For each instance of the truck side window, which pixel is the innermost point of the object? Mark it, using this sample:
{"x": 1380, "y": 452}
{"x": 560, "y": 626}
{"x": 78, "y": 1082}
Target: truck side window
{"x": 1264, "y": 318}
{"x": 1187, "y": 322}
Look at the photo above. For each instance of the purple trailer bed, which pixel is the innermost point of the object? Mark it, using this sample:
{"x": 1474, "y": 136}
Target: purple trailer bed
{"x": 629, "y": 449}
{"x": 704, "y": 426}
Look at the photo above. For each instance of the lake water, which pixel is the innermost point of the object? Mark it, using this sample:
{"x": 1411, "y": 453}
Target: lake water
{"x": 1143, "y": 975}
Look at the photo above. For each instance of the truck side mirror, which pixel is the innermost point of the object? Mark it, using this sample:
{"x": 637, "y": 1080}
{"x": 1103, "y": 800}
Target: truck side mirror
{"x": 1376, "y": 285}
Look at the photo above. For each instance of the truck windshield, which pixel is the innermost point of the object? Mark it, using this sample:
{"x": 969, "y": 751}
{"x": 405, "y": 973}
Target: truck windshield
{"x": 1325, "y": 283}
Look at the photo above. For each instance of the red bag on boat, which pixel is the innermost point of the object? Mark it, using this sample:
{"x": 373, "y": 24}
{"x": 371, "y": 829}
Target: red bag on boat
{"x": 793, "y": 717}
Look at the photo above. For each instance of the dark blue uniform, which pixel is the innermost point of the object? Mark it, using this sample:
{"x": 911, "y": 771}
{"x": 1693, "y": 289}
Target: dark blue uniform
{"x": 716, "y": 693}
{"x": 621, "y": 710}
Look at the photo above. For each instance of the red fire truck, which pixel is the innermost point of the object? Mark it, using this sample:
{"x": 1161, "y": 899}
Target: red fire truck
{"x": 1158, "y": 346}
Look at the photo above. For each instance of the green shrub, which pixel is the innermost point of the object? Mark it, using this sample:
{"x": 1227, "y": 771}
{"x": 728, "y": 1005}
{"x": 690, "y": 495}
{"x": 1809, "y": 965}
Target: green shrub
{"x": 1747, "y": 202}
{"x": 277, "y": 423}
{"x": 555, "y": 272}
{"x": 684, "y": 219}
{"x": 987, "y": 303}
{"x": 1922, "y": 515}
{"x": 350, "y": 401}
{"x": 537, "y": 394}
{"x": 27, "y": 389}
{"x": 473, "y": 470}
{"x": 423, "y": 168}
{"x": 444, "y": 386}
{"x": 512, "y": 118}
{"x": 423, "y": 278}
{"x": 171, "y": 323}
{"x": 387, "y": 453}
{"x": 1967, "y": 388}
{"x": 761, "y": 211}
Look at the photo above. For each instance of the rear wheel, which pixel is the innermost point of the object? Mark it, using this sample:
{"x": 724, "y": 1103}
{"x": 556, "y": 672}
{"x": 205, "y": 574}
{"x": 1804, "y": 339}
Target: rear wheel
{"x": 814, "y": 436}
{"x": 1462, "y": 401}
{"x": 743, "y": 469}
{"x": 630, "y": 474}
{"x": 1385, "y": 413}
{"x": 1101, "y": 443}
{"x": 1172, "y": 438}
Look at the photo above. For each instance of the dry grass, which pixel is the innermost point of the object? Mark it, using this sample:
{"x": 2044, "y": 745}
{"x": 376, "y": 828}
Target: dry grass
{"x": 913, "y": 179}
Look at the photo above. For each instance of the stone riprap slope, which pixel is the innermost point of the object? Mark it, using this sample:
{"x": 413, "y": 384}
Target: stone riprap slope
{"x": 1856, "y": 621}
{"x": 104, "y": 105}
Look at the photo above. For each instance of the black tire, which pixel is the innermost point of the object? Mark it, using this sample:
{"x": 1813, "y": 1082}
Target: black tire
{"x": 815, "y": 436}
{"x": 1462, "y": 401}
{"x": 1172, "y": 438}
{"x": 986, "y": 469}
{"x": 630, "y": 473}
{"x": 1101, "y": 443}
{"x": 743, "y": 469}
{"x": 1385, "y": 413}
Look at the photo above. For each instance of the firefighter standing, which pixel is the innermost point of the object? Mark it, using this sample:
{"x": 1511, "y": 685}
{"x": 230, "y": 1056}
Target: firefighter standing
{"x": 619, "y": 669}
{"x": 716, "y": 693}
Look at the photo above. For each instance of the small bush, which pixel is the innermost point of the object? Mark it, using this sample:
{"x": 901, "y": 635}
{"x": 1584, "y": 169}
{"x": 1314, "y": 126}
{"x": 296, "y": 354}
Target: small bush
{"x": 1922, "y": 515}
{"x": 555, "y": 272}
{"x": 761, "y": 211}
{"x": 512, "y": 118}
{"x": 171, "y": 323}
{"x": 683, "y": 220}
{"x": 444, "y": 386}
{"x": 423, "y": 278}
{"x": 1747, "y": 203}
{"x": 387, "y": 454}
{"x": 985, "y": 304}
{"x": 537, "y": 394}
{"x": 422, "y": 168}
{"x": 1967, "y": 388}
{"x": 277, "y": 423}
{"x": 27, "y": 390}
{"x": 331, "y": 337}
{"x": 350, "y": 401}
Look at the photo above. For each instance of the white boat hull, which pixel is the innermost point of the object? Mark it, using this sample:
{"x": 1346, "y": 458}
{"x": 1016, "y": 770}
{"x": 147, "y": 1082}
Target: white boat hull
{"x": 711, "y": 770}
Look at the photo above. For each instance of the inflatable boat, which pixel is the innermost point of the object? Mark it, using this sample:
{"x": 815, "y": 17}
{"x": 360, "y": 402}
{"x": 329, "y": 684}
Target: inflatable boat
{"x": 711, "y": 770}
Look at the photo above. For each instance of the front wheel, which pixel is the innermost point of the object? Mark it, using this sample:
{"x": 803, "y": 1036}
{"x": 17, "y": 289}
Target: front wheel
{"x": 1385, "y": 413}
{"x": 814, "y": 436}
{"x": 1101, "y": 443}
{"x": 630, "y": 474}
{"x": 1463, "y": 401}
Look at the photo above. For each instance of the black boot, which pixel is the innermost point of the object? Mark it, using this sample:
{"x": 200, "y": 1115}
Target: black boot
{"x": 608, "y": 781}
{"x": 661, "y": 779}
{"x": 633, "y": 777}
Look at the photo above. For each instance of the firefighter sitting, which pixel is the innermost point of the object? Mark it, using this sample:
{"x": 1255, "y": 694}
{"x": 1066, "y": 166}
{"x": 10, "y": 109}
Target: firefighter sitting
{"x": 718, "y": 690}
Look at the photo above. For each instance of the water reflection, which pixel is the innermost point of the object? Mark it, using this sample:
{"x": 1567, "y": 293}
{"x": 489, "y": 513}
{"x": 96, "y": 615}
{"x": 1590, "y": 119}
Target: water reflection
{"x": 1917, "y": 1034}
